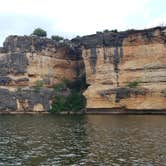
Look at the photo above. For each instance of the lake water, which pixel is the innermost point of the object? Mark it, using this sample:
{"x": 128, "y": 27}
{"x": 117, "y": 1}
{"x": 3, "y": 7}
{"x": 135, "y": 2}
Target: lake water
{"x": 83, "y": 140}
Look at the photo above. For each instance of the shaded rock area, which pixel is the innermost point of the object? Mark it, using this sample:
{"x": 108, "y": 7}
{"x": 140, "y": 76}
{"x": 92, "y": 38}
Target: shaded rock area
{"x": 25, "y": 100}
{"x": 7, "y": 100}
{"x": 34, "y": 100}
{"x": 32, "y": 44}
{"x": 5, "y": 80}
{"x": 14, "y": 63}
{"x": 124, "y": 93}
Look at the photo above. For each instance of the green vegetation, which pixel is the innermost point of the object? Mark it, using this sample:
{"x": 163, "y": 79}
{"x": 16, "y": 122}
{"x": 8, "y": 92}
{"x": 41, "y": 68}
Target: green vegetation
{"x": 98, "y": 32}
{"x": 114, "y": 30}
{"x": 106, "y": 30}
{"x": 68, "y": 96}
{"x": 39, "y": 32}
{"x": 38, "y": 85}
{"x": 72, "y": 102}
{"x": 57, "y": 38}
{"x": 77, "y": 37}
{"x": 133, "y": 84}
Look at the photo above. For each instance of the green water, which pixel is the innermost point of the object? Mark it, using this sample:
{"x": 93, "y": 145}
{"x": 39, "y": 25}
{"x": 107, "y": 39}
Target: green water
{"x": 82, "y": 140}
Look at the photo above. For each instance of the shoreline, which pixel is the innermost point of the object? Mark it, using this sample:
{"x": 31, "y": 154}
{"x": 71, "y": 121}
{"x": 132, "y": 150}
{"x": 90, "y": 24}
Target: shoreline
{"x": 89, "y": 112}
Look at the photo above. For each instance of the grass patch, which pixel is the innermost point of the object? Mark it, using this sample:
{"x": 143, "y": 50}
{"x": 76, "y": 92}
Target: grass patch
{"x": 133, "y": 84}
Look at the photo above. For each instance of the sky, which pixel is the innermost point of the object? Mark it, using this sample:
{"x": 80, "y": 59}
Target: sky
{"x": 69, "y": 18}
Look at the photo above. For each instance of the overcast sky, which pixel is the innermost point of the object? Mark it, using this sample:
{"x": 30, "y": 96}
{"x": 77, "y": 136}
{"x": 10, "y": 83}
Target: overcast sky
{"x": 70, "y": 18}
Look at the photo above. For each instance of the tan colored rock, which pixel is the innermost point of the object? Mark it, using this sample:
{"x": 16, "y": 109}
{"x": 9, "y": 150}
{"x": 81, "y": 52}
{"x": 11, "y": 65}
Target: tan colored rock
{"x": 38, "y": 107}
{"x": 27, "y": 60}
{"x": 128, "y": 57}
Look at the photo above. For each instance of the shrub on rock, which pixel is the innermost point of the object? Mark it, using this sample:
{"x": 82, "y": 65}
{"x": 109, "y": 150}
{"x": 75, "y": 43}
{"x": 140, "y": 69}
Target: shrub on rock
{"x": 39, "y": 32}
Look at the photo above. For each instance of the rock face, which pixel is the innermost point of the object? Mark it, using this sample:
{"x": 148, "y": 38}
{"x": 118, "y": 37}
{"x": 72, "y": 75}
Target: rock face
{"x": 126, "y": 69}
{"x": 24, "y": 61}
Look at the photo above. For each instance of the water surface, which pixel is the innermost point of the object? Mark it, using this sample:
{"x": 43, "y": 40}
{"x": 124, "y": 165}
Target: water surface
{"x": 82, "y": 140}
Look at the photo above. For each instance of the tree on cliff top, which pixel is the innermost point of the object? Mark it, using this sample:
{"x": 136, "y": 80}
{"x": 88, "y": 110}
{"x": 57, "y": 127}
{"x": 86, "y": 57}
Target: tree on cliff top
{"x": 39, "y": 32}
{"x": 57, "y": 38}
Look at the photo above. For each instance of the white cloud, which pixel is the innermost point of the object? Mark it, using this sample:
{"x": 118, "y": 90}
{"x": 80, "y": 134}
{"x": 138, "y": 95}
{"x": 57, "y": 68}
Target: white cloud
{"x": 69, "y": 17}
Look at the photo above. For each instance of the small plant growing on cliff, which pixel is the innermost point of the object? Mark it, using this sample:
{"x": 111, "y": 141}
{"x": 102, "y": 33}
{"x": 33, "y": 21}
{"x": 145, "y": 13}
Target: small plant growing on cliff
{"x": 39, "y": 32}
{"x": 57, "y": 38}
{"x": 38, "y": 85}
{"x": 133, "y": 84}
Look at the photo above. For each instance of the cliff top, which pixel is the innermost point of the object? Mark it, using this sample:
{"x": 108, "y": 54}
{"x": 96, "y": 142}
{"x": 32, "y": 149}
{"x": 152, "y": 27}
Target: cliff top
{"x": 116, "y": 38}
{"x": 109, "y": 38}
{"x": 14, "y": 43}
{"x": 23, "y": 44}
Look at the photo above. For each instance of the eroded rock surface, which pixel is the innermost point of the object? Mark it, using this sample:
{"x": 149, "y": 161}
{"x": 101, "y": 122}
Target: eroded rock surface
{"x": 123, "y": 70}
{"x": 25, "y": 60}
{"x": 114, "y": 61}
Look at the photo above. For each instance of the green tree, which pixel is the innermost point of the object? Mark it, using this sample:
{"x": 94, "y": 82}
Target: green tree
{"x": 57, "y": 38}
{"x": 114, "y": 30}
{"x": 74, "y": 101}
{"x": 106, "y": 30}
{"x": 39, "y": 32}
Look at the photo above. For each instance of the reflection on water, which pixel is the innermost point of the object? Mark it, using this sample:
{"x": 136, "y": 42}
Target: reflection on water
{"x": 82, "y": 140}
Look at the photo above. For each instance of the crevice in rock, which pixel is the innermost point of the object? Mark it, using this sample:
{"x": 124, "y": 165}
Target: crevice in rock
{"x": 93, "y": 60}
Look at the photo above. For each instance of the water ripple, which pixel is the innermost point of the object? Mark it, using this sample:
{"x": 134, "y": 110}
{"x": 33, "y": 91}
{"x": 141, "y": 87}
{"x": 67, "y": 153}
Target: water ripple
{"x": 82, "y": 140}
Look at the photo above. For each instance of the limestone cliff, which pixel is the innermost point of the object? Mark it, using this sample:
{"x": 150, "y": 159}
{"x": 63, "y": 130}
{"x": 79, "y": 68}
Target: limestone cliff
{"x": 24, "y": 60}
{"x": 126, "y": 69}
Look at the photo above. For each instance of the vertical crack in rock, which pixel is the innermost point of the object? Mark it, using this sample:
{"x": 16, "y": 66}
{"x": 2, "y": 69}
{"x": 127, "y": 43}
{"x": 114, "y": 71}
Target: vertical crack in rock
{"x": 104, "y": 49}
{"x": 74, "y": 52}
{"x": 105, "y": 55}
{"x": 116, "y": 63}
{"x": 121, "y": 52}
{"x": 118, "y": 55}
{"x": 115, "y": 41}
{"x": 93, "y": 60}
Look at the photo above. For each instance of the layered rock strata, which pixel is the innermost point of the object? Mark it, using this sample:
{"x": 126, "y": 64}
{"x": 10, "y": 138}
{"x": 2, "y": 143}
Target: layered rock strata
{"x": 27, "y": 60}
{"x": 126, "y": 69}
